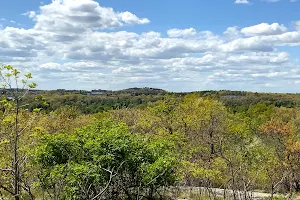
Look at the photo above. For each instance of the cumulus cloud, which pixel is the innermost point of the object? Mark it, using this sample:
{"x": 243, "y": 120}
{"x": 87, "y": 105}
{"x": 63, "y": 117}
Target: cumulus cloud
{"x": 297, "y": 25}
{"x": 232, "y": 32}
{"x": 181, "y": 32}
{"x": 264, "y": 29}
{"x": 72, "y": 66}
{"x": 78, "y": 16}
{"x": 130, "y": 18}
{"x": 30, "y": 14}
{"x": 242, "y": 2}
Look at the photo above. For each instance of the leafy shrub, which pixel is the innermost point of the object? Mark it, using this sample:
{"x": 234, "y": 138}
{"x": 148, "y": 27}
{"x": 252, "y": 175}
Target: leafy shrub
{"x": 105, "y": 160}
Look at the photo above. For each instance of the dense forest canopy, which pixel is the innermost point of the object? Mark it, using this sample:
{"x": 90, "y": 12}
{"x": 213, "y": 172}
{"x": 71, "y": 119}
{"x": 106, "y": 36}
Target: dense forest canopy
{"x": 141, "y": 143}
{"x": 237, "y": 101}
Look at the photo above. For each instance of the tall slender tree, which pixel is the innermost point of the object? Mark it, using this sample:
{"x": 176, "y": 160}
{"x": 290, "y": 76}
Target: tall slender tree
{"x": 13, "y": 124}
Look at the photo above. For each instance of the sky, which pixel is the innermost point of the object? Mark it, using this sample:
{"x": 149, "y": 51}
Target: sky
{"x": 249, "y": 45}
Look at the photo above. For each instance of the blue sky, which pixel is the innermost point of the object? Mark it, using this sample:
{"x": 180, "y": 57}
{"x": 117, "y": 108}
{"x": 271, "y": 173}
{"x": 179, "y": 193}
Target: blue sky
{"x": 214, "y": 15}
{"x": 175, "y": 45}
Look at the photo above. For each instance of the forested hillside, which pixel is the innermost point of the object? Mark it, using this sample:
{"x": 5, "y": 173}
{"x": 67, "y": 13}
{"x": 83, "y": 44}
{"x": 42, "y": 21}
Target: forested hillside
{"x": 236, "y": 101}
{"x": 135, "y": 145}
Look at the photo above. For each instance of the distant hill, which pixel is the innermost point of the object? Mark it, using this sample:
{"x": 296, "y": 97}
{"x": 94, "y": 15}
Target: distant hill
{"x": 133, "y": 91}
{"x": 101, "y": 100}
{"x": 140, "y": 91}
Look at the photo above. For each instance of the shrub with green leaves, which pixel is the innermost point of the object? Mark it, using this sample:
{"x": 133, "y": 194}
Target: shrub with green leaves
{"x": 105, "y": 161}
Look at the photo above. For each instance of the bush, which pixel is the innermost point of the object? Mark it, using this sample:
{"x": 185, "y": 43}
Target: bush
{"x": 105, "y": 160}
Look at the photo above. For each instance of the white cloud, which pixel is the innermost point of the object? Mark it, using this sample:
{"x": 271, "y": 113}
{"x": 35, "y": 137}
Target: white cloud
{"x": 30, "y": 14}
{"x": 181, "y": 32}
{"x": 270, "y": 74}
{"x": 264, "y": 29}
{"x": 242, "y": 2}
{"x": 254, "y": 44}
{"x": 50, "y": 65}
{"x": 77, "y": 16}
{"x": 271, "y": 1}
{"x": 232, "y": 32}
{"x": 71, "y": 66}
{"x": 130, "y": 18}
{"x": 297, "y": 25}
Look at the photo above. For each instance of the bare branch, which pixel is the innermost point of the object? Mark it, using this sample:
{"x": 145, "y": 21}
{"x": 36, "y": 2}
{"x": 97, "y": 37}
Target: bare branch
{"x": 111, "y": 176}
{"x": 6, "y": 189}
{"x": 5, "y": 170}
{"x": 108, "y": 183}
{"x": 157, "y": 177}
{"x": 25, "y": 93}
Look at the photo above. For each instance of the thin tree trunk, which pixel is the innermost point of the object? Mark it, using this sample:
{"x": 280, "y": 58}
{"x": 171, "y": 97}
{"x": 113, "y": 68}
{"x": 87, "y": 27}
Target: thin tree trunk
{"x": 272, "y": 192}
{"x": 16, "y": 157}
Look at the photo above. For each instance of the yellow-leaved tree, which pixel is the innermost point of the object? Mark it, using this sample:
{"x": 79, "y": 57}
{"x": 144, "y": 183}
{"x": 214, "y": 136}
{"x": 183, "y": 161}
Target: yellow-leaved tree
{"x": 15, "y": 122}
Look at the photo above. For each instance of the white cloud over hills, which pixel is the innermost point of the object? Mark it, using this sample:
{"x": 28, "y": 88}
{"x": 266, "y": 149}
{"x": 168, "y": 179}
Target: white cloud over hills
{"x": 81, "y": 45}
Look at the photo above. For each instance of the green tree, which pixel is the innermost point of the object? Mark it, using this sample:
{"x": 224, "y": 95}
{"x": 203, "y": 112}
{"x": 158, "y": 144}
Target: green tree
{"x": 105, "y": 160}
{"x": 14, "y": 123}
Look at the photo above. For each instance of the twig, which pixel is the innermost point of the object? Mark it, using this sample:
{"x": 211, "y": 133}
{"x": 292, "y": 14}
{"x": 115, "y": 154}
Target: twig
{"x": 5, "y": 170}
{"x": 111, "y": 176}
{"x": 6, "y": 189}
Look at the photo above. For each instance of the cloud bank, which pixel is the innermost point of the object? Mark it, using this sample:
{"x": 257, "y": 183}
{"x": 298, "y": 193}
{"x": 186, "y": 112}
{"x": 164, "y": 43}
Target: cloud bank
{"x": 79, "y": 44}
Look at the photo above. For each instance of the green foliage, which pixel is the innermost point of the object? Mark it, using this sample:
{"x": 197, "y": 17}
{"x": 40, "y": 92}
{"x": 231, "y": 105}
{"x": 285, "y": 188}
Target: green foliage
{"x": 15, "y": 127}
{"x": 142, "y": 140}
{"x": 86, "y": 157}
